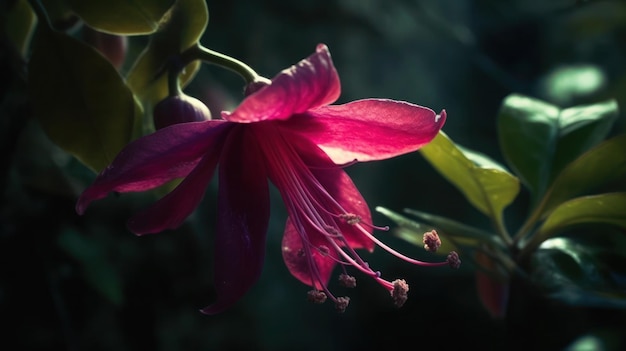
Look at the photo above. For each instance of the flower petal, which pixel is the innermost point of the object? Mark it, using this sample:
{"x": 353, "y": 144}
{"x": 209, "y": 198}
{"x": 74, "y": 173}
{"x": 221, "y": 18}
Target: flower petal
{"x": 172, "y": 209}
{"x": 367, "y": 130}
{"x": 242, "y": 224}
{"x": 313, "y": 82}
{"x": 155, "y": 159}
{"x": 298, "y": 263}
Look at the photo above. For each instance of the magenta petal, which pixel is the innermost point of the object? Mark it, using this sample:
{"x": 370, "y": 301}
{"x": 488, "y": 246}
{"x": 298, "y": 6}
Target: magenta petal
{"x": 155, "y": 159}
{"x": 311, "y": 83}
{"x": 297, "y": 262}
{"x": 242, "y": 223}
{"x": 171, "y": 210}
{"x": 367, "y": 130}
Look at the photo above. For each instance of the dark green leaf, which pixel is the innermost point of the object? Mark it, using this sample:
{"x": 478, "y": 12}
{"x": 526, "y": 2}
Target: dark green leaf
{"x": 81, "y": 101}
{"x": 538, "y": 139}
{"x": 527, "y": 131}
{"x": 597, "y": 209}
{"x": 182, "y": 29}
{"x": 600, "y": 165}
{"x": 572, "y": 273}
{"x": 490, "y": 190}
{"x": 122, "y": 16}
{"x": 580, "y": 129}
{"x": 98, "y": 272}
{"x": 19, "y": 25}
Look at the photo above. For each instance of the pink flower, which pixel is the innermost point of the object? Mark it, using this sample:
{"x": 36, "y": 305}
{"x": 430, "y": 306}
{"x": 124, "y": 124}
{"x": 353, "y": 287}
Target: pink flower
{"x": 289, "y": 133}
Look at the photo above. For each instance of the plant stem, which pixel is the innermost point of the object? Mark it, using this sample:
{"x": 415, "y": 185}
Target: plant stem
{"x": 199, "y": 52}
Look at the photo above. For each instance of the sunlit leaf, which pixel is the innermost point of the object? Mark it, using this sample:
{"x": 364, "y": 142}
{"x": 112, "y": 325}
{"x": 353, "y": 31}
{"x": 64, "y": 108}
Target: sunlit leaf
{"x": 538, "y": 139}
{"x": 97, "y": 270}
{"x": 81, "y": 101}
{"x": 490, "y": 190}
{"x": 569, "y": 83}
{"x": 600, "y": 165}
{"x": 570, "y": 272}
{"x": 599, "y": 209}
{"x": 19, "y": 25}
{"x": 182, "y": 28}
{"x": 122, "y": 16}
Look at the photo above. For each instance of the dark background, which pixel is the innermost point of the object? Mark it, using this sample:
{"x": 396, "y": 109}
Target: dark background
{"x": 87, "y": 283}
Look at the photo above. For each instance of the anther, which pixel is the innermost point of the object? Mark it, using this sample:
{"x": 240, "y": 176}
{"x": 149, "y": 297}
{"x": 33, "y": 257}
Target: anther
{"x": 453, "y": 260}
{"x": 342, "y": 303}
{"x": 316, "y": 296}
{"x": 400, "y": 292}
{"x": 350, "y": 218}
{"x": 347, "y": 280}
{"x": 431, "y": 241}
{"x": 323, "y": 250}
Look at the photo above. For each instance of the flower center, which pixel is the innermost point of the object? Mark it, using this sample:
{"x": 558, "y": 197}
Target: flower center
{"x": 321, "y": 222}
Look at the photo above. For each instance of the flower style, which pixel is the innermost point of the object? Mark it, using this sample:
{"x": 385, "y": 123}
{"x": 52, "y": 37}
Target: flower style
{"x": 287, "y": 132}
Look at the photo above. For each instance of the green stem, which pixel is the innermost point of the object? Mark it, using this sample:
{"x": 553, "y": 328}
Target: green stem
{"x": 501, "y": 230}
{"x": 199, "y": 52}
{"x": 172, "y": 83}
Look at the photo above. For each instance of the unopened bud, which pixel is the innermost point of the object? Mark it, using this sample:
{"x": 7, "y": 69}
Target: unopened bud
{"x": 179, "y": 109}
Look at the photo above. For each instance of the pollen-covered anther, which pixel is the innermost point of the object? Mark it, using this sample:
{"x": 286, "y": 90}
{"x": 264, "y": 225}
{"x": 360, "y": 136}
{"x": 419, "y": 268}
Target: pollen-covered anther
{"x": 316, "y": 296}
{"x": 400, "y": 292}
{"x": 323, "y": 250}
{"x": 453, "y": 260}
{"x": 350, "y": 218}
{"x": 431, "y": 241}
{"x": 331, "y": 230}
{"x": 342, "y": 303}
{"x": 347, "y": 280}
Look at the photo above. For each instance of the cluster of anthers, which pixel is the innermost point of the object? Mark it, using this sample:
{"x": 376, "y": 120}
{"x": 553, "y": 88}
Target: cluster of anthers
{"x": 346, "y": 256}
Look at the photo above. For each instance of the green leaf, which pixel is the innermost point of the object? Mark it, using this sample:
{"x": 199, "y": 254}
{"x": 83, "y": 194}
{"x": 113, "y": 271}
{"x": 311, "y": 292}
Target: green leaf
{"x": 81, "y": 101}
{"x": 98, "y": 271}
{"x": 490, "y": 189}
{"x": 460, "y": 234}
{"x": 19, "y": 26}
{"x": 454, "y": 228}
{"x": 602, "y": 164}
{"x": 597, "y": 209}
{"x": 580, "y": 129}
{"x": 527, "y": 132}
{"x": 574, "y": 274}
{"x": 183, "y": 28}
{"x": 538, "y": 139}
{"x": 122, "y": 16}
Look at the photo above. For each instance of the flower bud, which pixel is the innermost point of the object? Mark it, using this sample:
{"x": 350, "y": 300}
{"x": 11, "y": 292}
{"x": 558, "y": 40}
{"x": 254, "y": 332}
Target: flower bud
{"x": 179, "y": 109}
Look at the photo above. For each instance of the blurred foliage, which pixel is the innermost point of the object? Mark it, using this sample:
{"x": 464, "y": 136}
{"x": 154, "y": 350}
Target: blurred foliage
{"x": 72, "y": 283}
